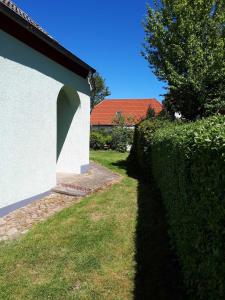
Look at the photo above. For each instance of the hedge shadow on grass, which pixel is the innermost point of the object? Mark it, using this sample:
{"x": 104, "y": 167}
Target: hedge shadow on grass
{"x": 157, "y": 275}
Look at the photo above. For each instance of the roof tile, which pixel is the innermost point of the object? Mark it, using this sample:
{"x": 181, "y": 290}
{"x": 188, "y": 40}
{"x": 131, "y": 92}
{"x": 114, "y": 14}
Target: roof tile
{"x": 105, "y": 112}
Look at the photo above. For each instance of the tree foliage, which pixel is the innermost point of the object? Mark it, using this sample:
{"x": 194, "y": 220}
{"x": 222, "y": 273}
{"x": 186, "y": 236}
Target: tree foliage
{"x": 150, "y": 113}
{"x": 99, "y": 90}
{"x": 122, "y": 135}
{"x": 185, "y": 46}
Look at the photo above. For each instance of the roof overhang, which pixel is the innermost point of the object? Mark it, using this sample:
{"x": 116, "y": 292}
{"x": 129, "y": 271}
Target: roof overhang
{"x": 21, "y": 29}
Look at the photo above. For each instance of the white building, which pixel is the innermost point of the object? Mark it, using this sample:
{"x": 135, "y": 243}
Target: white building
{"x": 44, "y": 110}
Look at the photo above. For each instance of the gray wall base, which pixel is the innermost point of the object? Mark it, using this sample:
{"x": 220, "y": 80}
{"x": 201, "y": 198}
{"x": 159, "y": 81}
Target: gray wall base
{"x": 84, "y": 168}
{"x": 8, "y": 209}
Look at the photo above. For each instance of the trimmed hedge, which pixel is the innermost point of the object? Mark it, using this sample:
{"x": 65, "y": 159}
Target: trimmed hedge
{"x": 141, "y": 148}
{"x": 188, "y": 163}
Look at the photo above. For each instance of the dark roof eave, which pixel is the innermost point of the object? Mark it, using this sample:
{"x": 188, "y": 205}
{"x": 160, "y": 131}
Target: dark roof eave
{"x": 21, "y": 29}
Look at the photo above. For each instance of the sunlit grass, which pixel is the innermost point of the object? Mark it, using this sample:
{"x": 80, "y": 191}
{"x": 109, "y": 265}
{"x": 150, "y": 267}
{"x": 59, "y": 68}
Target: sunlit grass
{"x": 84, "y": 252}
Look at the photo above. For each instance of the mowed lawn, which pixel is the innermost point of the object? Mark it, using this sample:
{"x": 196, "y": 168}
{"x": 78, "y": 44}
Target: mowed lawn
{"x": 84, "y": 252}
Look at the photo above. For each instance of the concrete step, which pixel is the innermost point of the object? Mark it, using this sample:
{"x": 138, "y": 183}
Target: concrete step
{"x": 71, "y": 190}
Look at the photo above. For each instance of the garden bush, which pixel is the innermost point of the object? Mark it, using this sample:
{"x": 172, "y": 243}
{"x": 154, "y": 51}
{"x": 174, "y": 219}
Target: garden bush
{"x": 188, "y": 163}
{"x": 118, "y": 138}
{"x": 122, "y": 137}
{"x": 100, "y": 140}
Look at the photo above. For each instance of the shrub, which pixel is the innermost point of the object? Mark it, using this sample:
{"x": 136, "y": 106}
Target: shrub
{"x": 99, "y": 140}
{"x": 150, "y": 113}
{"x": 188, "y": 163}
{"x": 121, "y": 138}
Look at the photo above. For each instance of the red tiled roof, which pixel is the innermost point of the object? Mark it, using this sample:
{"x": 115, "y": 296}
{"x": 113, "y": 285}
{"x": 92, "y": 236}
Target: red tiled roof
{"x": 136, "y": 109}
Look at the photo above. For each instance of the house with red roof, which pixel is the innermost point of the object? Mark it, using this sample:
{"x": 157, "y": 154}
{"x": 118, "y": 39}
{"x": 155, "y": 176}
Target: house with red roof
{"x": 133, "y": 110}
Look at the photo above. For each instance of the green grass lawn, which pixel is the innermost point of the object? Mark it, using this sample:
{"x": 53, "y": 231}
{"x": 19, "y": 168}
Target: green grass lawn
{"x": 83, "y": 252}
{"x": 111, "y": 245}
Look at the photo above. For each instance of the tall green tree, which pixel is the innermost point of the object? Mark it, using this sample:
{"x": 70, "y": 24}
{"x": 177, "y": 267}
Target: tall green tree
{"x": 99, "y": 90}
{"x": 185, "y": 47}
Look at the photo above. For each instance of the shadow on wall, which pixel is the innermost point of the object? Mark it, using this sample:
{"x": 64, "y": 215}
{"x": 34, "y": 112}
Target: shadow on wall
{"x": 157, "y": 275}
{"x": 67, "y": 104}
{"x": 14, "y": 50}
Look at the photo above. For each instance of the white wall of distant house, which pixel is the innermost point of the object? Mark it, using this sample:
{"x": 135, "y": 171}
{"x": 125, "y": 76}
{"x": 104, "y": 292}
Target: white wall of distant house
{"x": 29, "y": 87}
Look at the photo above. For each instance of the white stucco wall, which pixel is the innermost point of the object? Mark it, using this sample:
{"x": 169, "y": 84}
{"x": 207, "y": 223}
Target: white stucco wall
{"x": 76, "y": 141}
{"x": 29, "y": 87}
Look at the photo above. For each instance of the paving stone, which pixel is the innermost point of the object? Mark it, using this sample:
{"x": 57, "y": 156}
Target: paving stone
{"x": 2, "y": 222}
{"x": 12, "y": 231}
{"x": 71, "y": 189}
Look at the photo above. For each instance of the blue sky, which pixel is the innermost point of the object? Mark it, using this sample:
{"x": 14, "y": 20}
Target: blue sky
{"x": 106, "y": 34}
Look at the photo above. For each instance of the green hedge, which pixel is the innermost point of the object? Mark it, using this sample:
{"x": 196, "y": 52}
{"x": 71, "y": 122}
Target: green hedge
{"x": 141, "y": 148}
{"x": 188, "y": 163}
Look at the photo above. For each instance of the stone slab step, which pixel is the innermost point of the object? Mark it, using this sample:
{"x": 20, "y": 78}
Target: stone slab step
{"x": 71, "y": 190}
